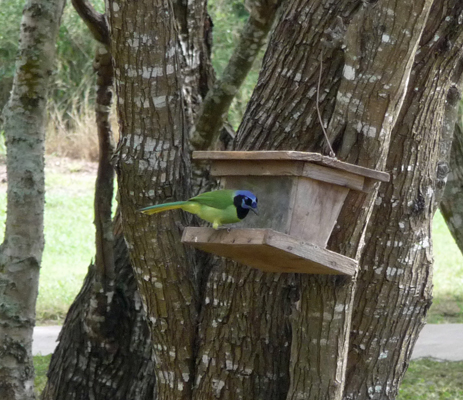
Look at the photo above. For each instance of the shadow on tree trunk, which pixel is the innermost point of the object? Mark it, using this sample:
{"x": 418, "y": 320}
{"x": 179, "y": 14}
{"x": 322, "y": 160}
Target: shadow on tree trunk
{"x": 90, "y": 361}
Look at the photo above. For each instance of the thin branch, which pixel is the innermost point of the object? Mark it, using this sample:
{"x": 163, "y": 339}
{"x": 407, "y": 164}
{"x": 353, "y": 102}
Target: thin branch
{"x": 98, "y": 26}
{"x": 104, "y": 185}
{"x": 94, "y": 20}
{"x": 220, "y": 97}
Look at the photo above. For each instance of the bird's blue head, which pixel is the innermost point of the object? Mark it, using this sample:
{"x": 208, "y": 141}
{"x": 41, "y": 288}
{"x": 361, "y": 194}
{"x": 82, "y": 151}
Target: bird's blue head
{"x": 244, "y": 201}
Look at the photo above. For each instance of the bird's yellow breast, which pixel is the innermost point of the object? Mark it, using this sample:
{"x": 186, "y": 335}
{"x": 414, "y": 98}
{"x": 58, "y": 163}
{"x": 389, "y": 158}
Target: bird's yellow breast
{"x": 213, "y": 215}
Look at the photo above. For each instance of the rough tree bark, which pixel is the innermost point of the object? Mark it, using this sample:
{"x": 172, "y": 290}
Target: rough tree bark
{"x": 153, "y": 164}
{"x": 194, "y": 28}
{"x": 361, "y": 127}
{"x": 112, "y": 360}
{"x": 21, "y": 251}
{"x": 394, "y": 284}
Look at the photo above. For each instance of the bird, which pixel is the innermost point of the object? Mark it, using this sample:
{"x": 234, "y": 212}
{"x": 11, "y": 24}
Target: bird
{"x": 218, "y": 207}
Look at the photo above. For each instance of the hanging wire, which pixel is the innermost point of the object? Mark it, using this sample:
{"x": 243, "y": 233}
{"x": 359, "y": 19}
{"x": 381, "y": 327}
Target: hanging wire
{"x": 332, "y": 153}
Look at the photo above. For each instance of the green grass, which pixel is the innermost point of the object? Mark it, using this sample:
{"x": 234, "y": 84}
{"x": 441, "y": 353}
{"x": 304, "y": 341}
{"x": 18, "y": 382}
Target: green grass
{"x": 448, "y": 276}
{"x": 41, "y": 367}
{"x": 432, "y": 380}
{"x": 69, "y": 241}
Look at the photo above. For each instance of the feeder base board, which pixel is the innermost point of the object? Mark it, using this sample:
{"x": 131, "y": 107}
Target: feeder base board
{"x": 269, "y": 250}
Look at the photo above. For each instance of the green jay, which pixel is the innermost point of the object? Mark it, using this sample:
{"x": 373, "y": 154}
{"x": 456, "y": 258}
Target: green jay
{"x": 219, "y": 207}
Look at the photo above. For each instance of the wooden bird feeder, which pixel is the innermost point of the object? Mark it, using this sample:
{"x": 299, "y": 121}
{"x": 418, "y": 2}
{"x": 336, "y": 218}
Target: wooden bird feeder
{"x": 300, "y": 197}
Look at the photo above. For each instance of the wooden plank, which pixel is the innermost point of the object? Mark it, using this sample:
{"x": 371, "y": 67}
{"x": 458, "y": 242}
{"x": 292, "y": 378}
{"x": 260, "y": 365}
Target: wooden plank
{"x": 256, "y": 168}
{"x": 316, "y": 208}
{"x": 269, "y": 251}
{"x": 356, "y": 169}
{"x": 291, "y": 155}
{"x": 328, "y": 260}
{"x": 288, "y": 168}
{"x": 257, "y": 155}
{"x": 337, "y": 177}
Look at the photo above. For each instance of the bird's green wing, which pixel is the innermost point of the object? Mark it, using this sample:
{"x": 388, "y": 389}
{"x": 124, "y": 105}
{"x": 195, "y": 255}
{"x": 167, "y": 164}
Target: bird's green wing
{"x": 220, "y": 199}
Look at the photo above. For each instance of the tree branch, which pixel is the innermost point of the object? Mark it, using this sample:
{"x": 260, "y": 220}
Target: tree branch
{"x": 449, "y": 174}
{"x": 451, "y": 205}
{"x": 104, "y": 185}
{"x": 219, "y": 98}
{"x": 94, "y": 20}
{"x": 98, "y": 26}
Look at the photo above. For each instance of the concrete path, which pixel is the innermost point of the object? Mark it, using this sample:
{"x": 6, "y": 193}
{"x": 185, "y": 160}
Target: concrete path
{"x": 443, "y": 341}
{"x": 440, "y": 341}
{"x": 44, "y": 341}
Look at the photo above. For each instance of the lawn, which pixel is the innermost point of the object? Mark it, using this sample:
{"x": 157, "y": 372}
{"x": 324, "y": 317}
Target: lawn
{"x": 448, "y": 276}
{"x": 41, "y": 367}
{"x": 432, "y": 380}
{"x": 69, "y": 235}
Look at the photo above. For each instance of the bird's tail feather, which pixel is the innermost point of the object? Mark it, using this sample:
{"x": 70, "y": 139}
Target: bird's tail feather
{"x": 162, "y": 207}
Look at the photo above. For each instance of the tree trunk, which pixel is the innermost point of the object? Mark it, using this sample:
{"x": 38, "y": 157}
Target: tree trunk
{"x": 252, "y": 356}
{"x": 106, "y": 326}
{"x": 195, "y": 39}
{"x": 394, "y": 285}
{"x": 321, "y": 316}
{"x": 259, "y": 365}
{"x": 153, "y": 164}
{"x": 21, "y": 251}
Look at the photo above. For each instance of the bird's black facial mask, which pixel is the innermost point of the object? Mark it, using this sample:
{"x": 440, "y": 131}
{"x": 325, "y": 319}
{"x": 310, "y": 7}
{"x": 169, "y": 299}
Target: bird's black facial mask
{"x": 243, "y": 204}
{"x": 250, "y": 204}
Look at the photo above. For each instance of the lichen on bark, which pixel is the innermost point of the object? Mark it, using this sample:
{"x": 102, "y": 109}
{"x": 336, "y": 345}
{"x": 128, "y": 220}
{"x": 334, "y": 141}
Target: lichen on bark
{"x": 21, "y": 251}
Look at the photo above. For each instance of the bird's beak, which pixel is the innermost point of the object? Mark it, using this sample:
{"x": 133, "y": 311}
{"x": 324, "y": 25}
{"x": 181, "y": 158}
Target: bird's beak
{"x": 254, "y": 210}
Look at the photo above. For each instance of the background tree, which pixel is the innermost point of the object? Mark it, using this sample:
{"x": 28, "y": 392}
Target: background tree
{"x": 21, "y": 250}
{"x": 451, "y": 205}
